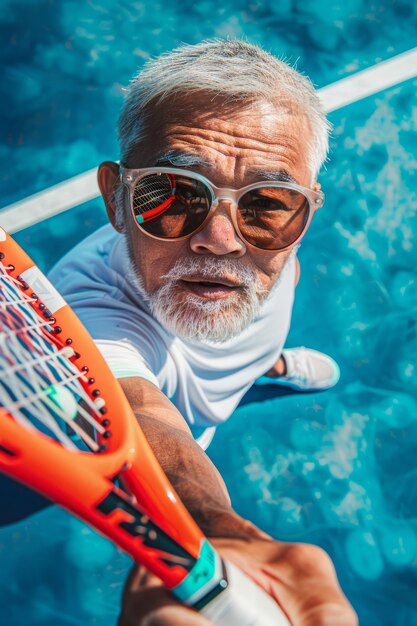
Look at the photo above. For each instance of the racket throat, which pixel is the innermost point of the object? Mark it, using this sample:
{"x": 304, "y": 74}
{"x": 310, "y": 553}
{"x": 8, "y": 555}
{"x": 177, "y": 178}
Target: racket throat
{"x": 135, "y": 523}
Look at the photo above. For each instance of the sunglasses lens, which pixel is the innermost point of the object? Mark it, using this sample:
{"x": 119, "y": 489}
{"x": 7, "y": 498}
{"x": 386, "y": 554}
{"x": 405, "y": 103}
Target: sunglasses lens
{"x": 272, "y": 218}
{"x": 170, "y": 206}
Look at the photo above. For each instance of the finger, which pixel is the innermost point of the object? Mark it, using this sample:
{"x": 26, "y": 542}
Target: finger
{"x": 157, "y": 607}
{"x": 147, "y": 603}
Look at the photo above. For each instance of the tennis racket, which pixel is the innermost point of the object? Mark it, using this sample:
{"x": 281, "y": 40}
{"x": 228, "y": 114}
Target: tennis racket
{"x": 67, "y": 431}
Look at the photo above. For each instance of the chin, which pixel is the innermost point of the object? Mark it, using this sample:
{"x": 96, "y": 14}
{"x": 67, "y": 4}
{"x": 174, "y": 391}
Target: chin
{"x": 197, "y": 319}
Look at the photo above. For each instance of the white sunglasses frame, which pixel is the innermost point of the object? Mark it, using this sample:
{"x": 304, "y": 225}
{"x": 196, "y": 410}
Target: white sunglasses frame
{"x": 130, "y": 177}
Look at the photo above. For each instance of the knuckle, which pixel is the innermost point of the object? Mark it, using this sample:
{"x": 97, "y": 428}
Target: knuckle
{"x": 352, "y": 616}
{"x": 309, "y": 562}
{"x": 342, "y": 616}
{"x": 310, "y": 555}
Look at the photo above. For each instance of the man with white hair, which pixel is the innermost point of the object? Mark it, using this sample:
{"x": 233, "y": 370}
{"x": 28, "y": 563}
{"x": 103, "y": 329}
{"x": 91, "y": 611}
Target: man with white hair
{"x": 189, "y": 297}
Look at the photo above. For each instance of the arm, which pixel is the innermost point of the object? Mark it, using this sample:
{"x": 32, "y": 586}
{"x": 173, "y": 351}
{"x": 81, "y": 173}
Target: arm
{"x": 191, "y": 472}
{"x": 300, "y": 578}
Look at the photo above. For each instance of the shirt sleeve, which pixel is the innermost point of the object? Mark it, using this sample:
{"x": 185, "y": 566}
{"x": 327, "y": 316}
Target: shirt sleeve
{"x": 125, "y": 360}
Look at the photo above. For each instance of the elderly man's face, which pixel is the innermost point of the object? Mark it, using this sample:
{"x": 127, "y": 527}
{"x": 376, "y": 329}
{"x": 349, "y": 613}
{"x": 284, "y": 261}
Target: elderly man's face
{"x": 210, "y": 285}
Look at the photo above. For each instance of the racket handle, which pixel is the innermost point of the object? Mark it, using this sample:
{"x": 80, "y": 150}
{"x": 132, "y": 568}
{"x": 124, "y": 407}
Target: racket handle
{"x": 243, "y": 603}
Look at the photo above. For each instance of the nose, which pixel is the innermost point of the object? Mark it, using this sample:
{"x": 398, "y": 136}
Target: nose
{"x": 219, "y": 235}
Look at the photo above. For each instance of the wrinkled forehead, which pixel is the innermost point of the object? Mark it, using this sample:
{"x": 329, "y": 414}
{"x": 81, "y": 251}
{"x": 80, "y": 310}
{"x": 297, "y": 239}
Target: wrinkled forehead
{"x": 202, "y": 123}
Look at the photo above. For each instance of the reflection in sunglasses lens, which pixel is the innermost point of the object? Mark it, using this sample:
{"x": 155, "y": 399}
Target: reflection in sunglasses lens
{"x": 151, "y": 192}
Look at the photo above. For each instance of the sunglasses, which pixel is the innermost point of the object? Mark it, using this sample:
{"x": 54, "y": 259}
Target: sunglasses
{"x": 170, "y": 203}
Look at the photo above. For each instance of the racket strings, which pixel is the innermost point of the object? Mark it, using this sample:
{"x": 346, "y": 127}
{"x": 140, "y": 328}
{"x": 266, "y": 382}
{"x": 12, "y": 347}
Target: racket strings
{"x": 40, "y": 386}
{"x": 8, "y": 333}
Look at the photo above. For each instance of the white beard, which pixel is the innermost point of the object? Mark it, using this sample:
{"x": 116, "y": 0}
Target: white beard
{"x": 190, "y": 317}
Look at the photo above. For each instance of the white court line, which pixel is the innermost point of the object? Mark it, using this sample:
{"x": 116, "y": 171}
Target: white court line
{"x": 376, "y": 78}
{"x": 50, "y": 202}
{"x": 79, "y": 189}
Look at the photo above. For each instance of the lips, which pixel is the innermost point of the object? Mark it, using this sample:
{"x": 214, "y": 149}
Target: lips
{"x": 210, "y": 289}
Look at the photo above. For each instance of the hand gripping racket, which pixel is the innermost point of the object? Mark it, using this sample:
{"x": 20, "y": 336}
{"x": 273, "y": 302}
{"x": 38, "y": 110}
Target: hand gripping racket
{"x": 67, "y": 431}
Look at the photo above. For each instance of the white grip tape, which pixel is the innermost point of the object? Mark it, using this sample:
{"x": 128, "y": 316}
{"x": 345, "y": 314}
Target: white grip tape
{"x": 243, "y": 603}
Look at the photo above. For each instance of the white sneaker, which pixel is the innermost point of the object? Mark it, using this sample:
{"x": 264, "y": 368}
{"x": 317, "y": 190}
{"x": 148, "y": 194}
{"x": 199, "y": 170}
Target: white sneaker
{"x": 306, "y": 370}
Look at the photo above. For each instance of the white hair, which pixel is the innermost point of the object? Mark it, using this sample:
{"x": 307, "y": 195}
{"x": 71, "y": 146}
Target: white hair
{"x": 235, "y": 70}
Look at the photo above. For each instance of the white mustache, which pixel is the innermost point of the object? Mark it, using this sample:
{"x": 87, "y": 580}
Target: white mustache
{"x": 213, "y": 268}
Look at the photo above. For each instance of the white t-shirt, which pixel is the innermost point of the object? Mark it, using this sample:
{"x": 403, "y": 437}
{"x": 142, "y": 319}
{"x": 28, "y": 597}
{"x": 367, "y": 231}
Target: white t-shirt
{"x": 206, "y": 380}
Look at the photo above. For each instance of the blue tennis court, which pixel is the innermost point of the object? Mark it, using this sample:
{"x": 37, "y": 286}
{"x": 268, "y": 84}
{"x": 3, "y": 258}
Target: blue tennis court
{"x": 335, "y": 468}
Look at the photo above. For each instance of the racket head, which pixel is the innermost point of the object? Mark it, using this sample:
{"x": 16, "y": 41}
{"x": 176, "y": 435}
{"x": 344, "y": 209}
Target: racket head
{"x": 59, "y": 327}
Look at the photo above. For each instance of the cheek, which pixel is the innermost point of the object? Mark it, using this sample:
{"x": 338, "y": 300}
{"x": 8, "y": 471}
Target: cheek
{"x": 269, "y": 266}
{"x": 154, "y": 259}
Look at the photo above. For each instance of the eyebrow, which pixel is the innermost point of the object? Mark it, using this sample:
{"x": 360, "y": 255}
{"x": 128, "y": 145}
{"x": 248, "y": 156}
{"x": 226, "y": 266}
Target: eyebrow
{"x": 182, "y": 158}
{"x": 281, "y": 176}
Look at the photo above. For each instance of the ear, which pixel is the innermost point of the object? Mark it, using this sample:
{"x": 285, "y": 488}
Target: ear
{"x": 317, "y": 186}
{"x": 108, "y": 179}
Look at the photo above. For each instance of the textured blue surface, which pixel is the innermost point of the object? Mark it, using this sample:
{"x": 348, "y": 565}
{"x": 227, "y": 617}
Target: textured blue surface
{"x": 335, "y": 468}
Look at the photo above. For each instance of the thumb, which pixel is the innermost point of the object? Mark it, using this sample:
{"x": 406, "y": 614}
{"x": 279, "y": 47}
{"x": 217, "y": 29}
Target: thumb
{"x": 146, "y": 602}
